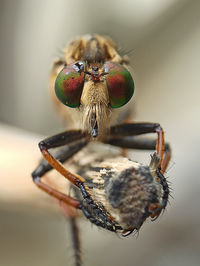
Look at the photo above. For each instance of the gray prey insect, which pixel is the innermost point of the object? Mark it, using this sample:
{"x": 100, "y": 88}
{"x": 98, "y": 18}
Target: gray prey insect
{"x": 92, "y": 82}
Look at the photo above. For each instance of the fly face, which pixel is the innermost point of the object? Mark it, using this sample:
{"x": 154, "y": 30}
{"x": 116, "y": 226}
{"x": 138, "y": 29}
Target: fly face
{"x": 94, "y": 80}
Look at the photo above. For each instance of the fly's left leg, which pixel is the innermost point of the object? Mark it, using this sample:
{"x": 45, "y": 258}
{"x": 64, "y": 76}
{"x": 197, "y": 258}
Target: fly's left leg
{"x": 123, "y": 136}
{"x": 135, "y": 129}
{"x": 129, "y": 142}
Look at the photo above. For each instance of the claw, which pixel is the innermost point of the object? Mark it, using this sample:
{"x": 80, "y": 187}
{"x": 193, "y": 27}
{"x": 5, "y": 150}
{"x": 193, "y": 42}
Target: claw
{"x": 155, "y": 210}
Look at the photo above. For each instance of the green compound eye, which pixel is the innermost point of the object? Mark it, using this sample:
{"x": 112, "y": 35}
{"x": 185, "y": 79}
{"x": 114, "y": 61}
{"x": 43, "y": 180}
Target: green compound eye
{"x": 69, "y": 84}
{"x": 119, "y": 83}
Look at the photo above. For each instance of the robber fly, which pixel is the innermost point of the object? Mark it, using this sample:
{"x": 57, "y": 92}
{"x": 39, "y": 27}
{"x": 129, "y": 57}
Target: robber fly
{"x": 92, "y": 82}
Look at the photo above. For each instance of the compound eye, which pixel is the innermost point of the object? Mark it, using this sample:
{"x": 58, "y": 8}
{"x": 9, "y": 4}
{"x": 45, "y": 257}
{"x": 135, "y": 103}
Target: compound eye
{"x": 119, "y": 83}
{"x": 69, "y": 84}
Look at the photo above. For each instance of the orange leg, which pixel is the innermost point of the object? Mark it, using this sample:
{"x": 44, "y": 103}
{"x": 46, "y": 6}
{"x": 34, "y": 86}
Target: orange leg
{"x": 166, "y": 159}
{"x": 89, "y": 208}
{"x": 56, "y": 194}
{"x": 123, "y": 136}
{"x": 63, "y": 154}
{"x": 120, "y": 132}
{"x": 61, "y": 140}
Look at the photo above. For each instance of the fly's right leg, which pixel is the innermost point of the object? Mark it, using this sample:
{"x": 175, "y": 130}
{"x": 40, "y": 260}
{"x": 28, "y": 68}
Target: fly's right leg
{"x": 68, "y": 204}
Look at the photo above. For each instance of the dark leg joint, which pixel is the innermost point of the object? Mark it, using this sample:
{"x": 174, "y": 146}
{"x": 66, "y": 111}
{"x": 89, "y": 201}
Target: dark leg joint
{"x": 35, "y": 177}
{"x": 42, "y": 145}
{"x": 62, "y": 155}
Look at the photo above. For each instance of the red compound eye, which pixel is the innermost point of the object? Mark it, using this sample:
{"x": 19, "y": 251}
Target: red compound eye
{"x": 119, "y": 83}
{"x": 69, "y": 84}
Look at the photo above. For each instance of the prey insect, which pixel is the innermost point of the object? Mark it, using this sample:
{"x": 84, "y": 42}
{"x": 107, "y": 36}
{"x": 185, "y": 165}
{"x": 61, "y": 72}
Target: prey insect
{"x": 92, "y": 82}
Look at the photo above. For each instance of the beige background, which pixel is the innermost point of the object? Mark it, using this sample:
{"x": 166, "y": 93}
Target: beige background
{"x": 164, "y": 37}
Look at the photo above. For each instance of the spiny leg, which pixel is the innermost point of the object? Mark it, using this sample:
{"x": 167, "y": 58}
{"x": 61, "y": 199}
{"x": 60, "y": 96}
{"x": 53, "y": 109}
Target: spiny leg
{"x": 62, "y": 155}
{"x": 121, "y": 137}
{"x": 165, "y": 188}
{"x": 156, "y": 209}
{"x": 53, "y": 162}
{"x": 148, "y": 144}
{"x": 103, "y": 220}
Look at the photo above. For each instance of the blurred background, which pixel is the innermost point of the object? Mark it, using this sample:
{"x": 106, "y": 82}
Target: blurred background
{"x": 163, "y": 41}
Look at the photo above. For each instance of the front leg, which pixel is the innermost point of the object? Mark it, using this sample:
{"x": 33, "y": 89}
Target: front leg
{"x": 123, "y": 136}
{"x": 163, "y": 151}
{"x": 63, "y": 154}
{"x": 78, "y": 141}
{"x": 58, "y": 141}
